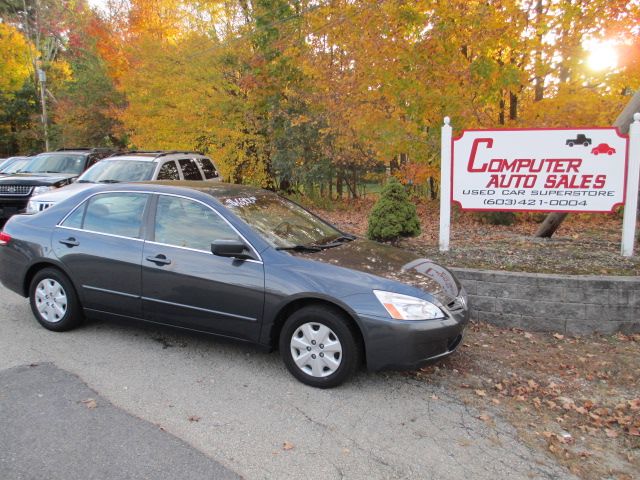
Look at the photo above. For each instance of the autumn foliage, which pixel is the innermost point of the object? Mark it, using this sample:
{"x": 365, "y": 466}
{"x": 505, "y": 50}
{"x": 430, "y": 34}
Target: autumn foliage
{"x": 309, "y": 96}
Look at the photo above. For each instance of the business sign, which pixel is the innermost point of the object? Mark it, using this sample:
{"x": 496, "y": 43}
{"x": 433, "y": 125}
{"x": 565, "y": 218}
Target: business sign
{"x": 567, "y": 170}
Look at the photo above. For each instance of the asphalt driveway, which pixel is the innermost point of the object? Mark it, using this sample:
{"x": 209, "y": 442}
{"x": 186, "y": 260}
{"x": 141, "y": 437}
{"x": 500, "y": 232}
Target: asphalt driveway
{"x": 237, "y": 406}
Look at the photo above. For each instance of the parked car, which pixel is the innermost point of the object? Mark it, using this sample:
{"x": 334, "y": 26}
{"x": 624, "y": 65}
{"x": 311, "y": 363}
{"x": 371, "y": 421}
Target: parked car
{"x": 43, "y": 173}
{"x": 238, "y": 262}
{"x": 581, "y": 139}
{"x": 134, "y": 167}
{"x": 603, "y": 148}
{"x": 13, "y": 164}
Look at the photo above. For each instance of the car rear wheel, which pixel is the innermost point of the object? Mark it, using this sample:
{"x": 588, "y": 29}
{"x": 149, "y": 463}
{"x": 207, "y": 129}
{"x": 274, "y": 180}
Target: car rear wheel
{"x": 54, "y": 301}
{"x": 610, "y": 152}
{"x": 586, "y": 144}
{"x": 570, "y": 144}
{"x": 319, "y": 347}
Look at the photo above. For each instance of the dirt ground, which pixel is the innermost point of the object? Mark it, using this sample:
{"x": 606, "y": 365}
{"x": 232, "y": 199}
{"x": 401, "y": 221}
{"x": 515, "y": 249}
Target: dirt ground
{"x": 587, "y": 244}
{"x": 577, "y": 398}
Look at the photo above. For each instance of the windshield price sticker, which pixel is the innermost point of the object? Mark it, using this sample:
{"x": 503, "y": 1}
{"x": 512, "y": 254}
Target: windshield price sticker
{"x": 240, "y": 201}
{"x": 546, "y": 170}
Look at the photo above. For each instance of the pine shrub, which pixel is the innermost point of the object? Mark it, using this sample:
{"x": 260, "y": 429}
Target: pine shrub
{"x": 393, "y": 216}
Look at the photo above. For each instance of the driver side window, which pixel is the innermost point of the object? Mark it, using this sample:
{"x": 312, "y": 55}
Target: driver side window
{"x": 185, "y": 223}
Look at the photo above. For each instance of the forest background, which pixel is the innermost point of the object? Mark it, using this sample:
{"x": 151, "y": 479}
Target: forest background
{"x": 314, "y": 96}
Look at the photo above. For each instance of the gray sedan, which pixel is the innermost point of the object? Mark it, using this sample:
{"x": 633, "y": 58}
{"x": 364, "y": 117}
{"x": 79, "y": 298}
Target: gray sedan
{"x": 238, "y": 262}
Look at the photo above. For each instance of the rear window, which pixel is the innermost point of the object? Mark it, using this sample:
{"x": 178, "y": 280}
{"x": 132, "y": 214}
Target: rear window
{"x": 207, "y": 168}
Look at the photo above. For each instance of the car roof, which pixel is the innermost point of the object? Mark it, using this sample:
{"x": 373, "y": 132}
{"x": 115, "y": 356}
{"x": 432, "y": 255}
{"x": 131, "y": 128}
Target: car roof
{"x": 215, "y": 189}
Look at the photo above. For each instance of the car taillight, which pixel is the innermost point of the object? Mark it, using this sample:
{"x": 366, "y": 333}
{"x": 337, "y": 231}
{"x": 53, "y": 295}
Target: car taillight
{"x": 4, "y": 238}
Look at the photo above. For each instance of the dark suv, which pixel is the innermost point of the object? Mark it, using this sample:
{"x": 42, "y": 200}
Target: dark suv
{"x": 43, "y": 173}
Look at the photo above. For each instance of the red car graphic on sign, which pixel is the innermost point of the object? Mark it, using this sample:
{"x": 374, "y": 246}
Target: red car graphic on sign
{"x": 603, "y": 148}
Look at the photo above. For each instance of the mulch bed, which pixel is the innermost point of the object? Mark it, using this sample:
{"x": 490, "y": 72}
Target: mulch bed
{"x": 585, "y": 244}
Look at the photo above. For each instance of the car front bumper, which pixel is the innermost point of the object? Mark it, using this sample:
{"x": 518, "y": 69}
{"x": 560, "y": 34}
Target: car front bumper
{"x": 12, "y": 206}
{"x": 407, "y": 345}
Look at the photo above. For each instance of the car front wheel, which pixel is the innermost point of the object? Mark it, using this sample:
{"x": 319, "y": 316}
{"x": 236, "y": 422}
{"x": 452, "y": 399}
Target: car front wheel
{"x": 54, "y": 301}
{"x": 319, "y": 347}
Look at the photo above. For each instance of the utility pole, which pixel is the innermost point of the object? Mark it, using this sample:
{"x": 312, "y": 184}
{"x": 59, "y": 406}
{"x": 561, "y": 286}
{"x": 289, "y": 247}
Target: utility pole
{"x": 42, "y": 78}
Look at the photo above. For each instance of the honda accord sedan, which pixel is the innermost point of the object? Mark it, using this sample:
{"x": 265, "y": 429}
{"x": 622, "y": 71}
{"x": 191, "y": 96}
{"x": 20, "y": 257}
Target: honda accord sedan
{"x": 238, "y": 262}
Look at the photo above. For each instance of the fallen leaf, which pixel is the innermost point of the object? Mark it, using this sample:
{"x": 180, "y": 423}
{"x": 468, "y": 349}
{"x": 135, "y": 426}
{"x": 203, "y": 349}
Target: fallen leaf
{"x": 611, "y": 433}
{"x": 558, "y": 336}
{"x": 634, "y": 431}
{"x": 481, "y": 393}
{"x": 194, "y": 418}
{"x": 90, "y": 403}
{"x": 287, "y": 446}
{"x": 484, "y": 417}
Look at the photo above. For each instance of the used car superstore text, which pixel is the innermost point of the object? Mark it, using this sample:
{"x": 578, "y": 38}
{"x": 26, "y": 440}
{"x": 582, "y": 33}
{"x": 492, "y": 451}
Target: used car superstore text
{"x": 554, "y": 202}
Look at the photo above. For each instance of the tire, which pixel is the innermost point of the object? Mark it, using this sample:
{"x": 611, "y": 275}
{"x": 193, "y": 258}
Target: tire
{"x": 596, "y": 153}
{"x": 302, "y": 346}
{"x": 54, "y": 301}
{"x": 570, "y": 144}
{"x": 610, "y": 152}
{"x": 585, "y": 144}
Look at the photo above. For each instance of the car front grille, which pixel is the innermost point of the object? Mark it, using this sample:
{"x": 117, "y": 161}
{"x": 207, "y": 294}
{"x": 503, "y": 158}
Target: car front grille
{"x": 17, "y": 190}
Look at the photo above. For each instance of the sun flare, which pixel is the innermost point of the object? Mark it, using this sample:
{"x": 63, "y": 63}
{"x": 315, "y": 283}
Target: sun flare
{"x": 602, "y": 56}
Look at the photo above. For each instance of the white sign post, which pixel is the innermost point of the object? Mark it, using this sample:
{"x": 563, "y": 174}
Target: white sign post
{"x": 445, "y": 185}
{"x": 631, "y": 204}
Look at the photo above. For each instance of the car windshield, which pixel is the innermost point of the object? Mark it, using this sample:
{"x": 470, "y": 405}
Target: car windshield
{"x": 55, "y": 163}
{"x": 282, "y": 223}
{"x": 12, "y": 166}
{"x": 112, "y": 171}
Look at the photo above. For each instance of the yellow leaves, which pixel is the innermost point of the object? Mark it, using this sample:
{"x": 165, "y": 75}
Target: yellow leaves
{"x": 15, "y": 59}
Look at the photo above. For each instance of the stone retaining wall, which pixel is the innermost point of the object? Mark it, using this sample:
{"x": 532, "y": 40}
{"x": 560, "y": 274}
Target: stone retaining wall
{"x": 553, "y": 303}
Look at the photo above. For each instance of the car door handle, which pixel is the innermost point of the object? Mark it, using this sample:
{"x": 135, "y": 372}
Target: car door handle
{"x": 70, "y": 242}
{"x": 159, "y": 260}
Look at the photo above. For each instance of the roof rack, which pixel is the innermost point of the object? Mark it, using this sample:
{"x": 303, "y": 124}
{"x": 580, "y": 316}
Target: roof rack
{"x": 85, "y": 149}
{"x": 160, "y": 153}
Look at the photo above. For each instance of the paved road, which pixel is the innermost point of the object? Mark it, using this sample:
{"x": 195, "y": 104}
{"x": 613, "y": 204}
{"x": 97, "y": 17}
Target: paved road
{"x": 256, "y": 420}
{"x": 54, "y": 427}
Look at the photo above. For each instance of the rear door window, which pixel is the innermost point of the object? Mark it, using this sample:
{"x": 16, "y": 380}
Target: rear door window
{"x": 169, "y": 171}
{"x": 190, "y": 169}
{"x": 113, "y": 213}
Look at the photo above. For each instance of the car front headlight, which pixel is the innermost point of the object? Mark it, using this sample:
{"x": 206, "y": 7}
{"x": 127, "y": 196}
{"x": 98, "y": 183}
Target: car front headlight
{"x": 32, "y": 207}
{"x": 41, "y": 190}
{"x": 405, "y": 307}
{"x": 36, "y": 206}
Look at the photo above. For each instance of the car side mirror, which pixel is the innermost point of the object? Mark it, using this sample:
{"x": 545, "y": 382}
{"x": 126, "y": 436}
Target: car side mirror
{"x": 230, "y": 248}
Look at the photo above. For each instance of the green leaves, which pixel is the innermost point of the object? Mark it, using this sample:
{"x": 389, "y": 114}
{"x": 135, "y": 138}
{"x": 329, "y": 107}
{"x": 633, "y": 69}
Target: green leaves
{"x": 393, "y": 216}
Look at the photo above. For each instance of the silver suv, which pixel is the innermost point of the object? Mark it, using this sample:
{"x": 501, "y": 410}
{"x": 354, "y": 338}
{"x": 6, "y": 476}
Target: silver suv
{"x": 134, "y": 167}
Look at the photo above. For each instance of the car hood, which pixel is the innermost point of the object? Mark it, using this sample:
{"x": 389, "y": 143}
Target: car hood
{"x": 38, "y": 178}
{"x": 393, "y": 264}
{"x": 61, "y": 194}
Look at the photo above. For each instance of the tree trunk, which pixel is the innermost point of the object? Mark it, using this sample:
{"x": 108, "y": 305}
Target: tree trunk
{"x": 555, "y": 219}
